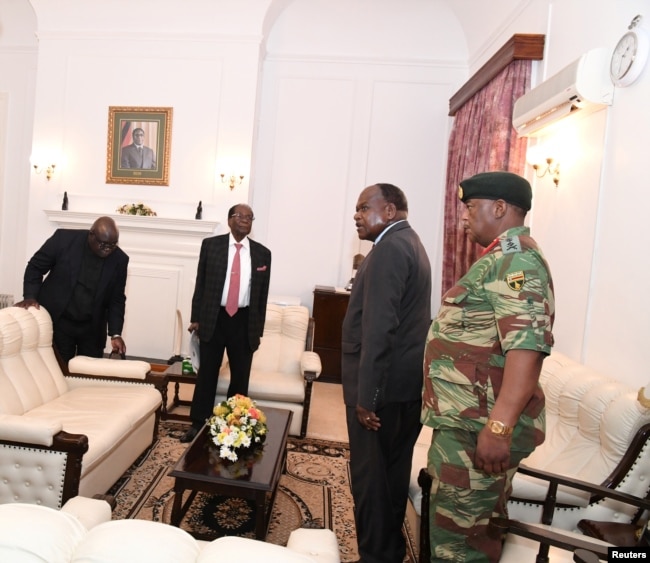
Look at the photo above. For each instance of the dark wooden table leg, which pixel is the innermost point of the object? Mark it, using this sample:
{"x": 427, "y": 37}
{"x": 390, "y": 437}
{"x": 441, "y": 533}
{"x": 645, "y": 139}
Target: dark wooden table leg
{"x": 177, "y": 508}
{"x": 260, "y": 516}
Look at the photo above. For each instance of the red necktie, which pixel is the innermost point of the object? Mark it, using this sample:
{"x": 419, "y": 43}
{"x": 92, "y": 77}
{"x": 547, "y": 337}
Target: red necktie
{"x": 232, "y": 303}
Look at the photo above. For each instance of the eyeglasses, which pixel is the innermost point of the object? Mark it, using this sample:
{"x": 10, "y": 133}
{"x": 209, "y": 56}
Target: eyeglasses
{"x": 102, "y": 244}
{"x": 244, "y": 217}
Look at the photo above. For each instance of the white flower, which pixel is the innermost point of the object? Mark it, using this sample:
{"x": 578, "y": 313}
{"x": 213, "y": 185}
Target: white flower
{"x": 226, "y": 453}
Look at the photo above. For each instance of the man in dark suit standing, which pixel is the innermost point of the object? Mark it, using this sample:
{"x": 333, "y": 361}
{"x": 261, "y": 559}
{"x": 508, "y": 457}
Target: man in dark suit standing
{"x": 84, "y": 288}
{"x": 238, "y": 330}
{"x": 388, "y": 316}
{"x": 136, "y": 155}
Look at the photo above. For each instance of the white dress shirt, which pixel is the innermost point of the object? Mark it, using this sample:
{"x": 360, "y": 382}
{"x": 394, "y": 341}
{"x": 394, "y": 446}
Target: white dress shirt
{"x": 245, "y": 269}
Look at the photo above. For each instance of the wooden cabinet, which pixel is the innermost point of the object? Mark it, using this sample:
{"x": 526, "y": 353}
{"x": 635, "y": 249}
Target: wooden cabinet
{"x": 328, "y": 312}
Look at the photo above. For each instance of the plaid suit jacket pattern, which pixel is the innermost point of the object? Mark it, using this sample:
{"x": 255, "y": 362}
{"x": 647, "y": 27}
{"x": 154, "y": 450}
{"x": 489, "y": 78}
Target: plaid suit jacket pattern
{"x": 210, "y": 280}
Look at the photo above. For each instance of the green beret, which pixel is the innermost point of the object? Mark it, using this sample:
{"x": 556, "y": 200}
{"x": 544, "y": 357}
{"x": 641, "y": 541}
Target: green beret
{"x": 497, "y": 185}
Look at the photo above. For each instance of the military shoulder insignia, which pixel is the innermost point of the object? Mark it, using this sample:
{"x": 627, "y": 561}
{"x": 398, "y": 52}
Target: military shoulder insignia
{"x": 515, "y": 280}
{"x": 510, "y": 245}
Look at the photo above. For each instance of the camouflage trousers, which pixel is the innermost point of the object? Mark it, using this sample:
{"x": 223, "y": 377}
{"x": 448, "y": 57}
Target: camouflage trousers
{"x": 463, "y": 499}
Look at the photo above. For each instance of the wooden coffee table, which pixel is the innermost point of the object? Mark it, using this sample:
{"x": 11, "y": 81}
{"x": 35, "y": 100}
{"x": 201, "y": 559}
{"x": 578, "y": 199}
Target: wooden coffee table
{"x": 195, "y": 471}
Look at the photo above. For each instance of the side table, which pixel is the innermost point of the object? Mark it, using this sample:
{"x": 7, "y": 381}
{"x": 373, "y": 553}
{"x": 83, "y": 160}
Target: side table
{"x": 176, "y": 375}
{"x": 328, "y": 311}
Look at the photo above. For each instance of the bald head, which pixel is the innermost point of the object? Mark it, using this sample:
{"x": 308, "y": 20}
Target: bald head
{"x": 103, "y": 237}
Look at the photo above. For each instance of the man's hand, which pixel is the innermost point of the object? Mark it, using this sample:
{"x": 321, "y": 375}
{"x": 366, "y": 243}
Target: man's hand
{"x": 193, "y": 326}
{"x": 118, "y": 345}
{"x": 27, "y": 303}
{"x": 492, "y": 452}
{"x": 368, "y": 419}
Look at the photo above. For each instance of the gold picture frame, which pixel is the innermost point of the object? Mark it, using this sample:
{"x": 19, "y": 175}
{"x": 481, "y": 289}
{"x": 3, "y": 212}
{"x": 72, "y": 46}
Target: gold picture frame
{"x": 131, "y": 161}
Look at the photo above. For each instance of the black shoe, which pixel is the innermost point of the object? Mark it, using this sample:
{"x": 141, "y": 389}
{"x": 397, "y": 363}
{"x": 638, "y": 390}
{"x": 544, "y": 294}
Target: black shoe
{"x": 189, "y": 435}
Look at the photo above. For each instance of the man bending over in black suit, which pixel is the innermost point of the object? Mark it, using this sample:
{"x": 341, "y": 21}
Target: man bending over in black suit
{"x": 388, "y": 315}
{"x": 84, "y": 288}
{"x": 228, "y": 310}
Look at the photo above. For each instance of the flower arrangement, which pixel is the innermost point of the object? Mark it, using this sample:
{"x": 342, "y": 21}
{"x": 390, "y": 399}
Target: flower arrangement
{"x": 136, "y": 209}
{"x": 237, "y": 423}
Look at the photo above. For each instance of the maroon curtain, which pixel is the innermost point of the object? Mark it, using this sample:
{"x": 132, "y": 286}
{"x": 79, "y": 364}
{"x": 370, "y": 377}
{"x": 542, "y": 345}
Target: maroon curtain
{"x": 482, "y": 139}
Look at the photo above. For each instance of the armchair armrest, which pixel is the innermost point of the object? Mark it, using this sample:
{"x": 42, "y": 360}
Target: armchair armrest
{"x": 15, "y": 428}
{"x": 84, "y": 370}
{"x": 89, "y": 511}
{"x": 310, "y": 368}
{"x": 38, "y": 473}
{"x": 597, "y": 491}
{"x": 564, "y": 539}
{"x": 548, "y": 537}
{"x": 127, "y": 369}
{"x": 310, "y": 363}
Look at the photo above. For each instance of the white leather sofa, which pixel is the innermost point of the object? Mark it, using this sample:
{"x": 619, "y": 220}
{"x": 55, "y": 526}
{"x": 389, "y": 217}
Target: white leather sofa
{"x": 64, "y": 434}
{"x": 592, "y": 423}
{"x": 82, "y": 531}
{"x": 284, "y": 366}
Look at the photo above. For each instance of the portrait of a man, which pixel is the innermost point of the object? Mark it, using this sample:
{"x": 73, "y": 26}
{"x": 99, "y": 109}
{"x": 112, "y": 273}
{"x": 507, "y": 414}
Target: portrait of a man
{"x": 137, "y": 154}
{"x": 139, "y": 145}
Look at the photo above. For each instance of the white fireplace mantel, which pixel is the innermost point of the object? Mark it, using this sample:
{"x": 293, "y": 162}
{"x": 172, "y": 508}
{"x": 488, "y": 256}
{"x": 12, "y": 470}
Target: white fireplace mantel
{"x": 153, "y": 225}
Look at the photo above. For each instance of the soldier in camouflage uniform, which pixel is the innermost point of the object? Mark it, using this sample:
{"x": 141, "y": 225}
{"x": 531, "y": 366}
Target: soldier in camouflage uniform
{"x": 482, "y": 363}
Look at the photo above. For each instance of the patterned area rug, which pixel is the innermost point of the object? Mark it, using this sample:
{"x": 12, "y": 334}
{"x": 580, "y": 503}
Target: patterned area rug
{"x": 314, "y": 492}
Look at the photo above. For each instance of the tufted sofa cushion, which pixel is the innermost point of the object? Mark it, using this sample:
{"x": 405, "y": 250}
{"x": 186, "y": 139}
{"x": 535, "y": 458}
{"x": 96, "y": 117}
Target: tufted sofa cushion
{"x": 29, "y": 373}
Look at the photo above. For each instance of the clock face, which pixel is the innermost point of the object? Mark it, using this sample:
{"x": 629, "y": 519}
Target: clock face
{"x": 629, "y": 57}
{"x": 623, "y": 56}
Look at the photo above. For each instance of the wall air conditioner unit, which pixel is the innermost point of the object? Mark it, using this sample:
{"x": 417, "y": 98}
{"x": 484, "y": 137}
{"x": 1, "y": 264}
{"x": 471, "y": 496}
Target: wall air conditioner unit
{"x": 582, "y": 87}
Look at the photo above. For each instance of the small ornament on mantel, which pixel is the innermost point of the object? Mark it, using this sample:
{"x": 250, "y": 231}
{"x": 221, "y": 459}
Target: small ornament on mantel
{"x": 199, "y": 211}
{"x": 64, "y": 205}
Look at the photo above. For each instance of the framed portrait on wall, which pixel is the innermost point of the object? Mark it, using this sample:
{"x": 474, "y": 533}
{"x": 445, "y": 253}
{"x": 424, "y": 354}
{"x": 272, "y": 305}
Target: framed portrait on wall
{"x": 139, "y": 145}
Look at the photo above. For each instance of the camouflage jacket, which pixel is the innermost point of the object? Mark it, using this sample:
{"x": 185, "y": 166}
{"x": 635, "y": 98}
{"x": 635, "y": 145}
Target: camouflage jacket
{"x": 504, "y": 302}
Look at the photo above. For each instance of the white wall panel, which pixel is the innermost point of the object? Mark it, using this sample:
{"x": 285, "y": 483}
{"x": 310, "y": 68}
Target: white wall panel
{"x": 308, "y": 180}
{"x": 150, "y": 319}
{"x": 408, "y": 148}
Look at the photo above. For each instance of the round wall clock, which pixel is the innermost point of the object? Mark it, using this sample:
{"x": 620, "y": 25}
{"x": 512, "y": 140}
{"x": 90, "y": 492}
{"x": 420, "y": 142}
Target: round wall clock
{"x": 630, "y": 55}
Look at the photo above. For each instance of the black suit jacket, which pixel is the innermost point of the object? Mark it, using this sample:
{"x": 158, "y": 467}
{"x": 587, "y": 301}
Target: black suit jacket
{"x": 210, "y": 280}
{"x": 60, "y": 258}
{"x": 386, "y": 323}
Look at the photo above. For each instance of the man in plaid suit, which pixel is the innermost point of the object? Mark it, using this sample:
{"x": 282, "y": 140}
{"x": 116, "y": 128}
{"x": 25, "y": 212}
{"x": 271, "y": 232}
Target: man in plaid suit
{"x": 239, "y": 332}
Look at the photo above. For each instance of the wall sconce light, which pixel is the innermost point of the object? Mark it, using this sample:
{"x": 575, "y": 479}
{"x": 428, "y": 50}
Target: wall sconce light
{"x": 49, "y": 171}
{"x": 550, "y": 167}
{"x": 232, "y": 181}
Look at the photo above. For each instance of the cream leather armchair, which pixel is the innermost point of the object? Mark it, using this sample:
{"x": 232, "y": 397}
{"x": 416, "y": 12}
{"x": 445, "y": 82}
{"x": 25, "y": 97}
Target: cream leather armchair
{"x": 284, "y": 366}
{"x": 597, "y": 432}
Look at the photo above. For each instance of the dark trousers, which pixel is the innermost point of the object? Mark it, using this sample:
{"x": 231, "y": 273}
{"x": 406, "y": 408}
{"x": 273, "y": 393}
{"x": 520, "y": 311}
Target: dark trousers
{"x": 73, "y": 338}
{"x": 230, "y": 335}
{"x": 380, "y": 470}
